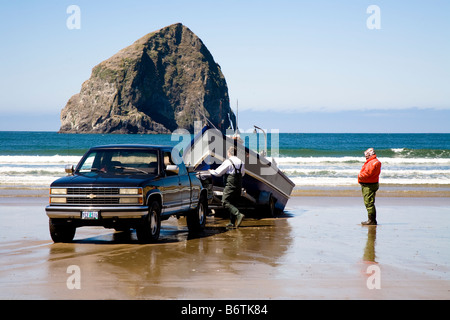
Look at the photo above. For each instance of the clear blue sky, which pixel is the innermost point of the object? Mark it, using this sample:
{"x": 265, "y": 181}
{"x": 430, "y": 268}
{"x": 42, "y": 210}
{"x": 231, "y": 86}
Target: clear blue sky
{"x": 307, "y": 66}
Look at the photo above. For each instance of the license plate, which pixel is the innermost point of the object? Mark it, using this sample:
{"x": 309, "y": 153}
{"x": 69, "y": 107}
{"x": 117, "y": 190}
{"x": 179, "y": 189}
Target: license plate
{"x": 89, "y": 215}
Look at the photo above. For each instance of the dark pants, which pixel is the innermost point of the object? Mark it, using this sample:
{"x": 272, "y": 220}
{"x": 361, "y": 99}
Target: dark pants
{"x": 368, "y": 191}
{"x": 231, "y": 194}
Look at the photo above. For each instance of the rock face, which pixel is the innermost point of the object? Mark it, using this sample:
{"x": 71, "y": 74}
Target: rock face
{"x": 166, "y": 80}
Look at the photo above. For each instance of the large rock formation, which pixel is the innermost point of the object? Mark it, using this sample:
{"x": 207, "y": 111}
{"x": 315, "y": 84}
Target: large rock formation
{"x": 164, "y": 81}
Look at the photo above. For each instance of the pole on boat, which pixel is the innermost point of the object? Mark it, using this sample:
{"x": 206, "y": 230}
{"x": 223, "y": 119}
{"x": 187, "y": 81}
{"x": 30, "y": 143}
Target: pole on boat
{"x": 237, "y": 115}
{"x": 264, "y": 152}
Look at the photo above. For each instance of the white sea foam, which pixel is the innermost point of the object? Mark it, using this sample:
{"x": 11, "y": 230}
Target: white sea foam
{"x": 33, "y": 170}
{"x": 360, "y": 160}
{"x": 338, "y": 182}
{"x": 28, "y": 180}
{"x": 38, "y": 160}
{"x": 343, "y": 171}
{"x": 303, "y": 171}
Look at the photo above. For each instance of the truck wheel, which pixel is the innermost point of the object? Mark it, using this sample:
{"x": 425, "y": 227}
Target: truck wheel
{"x": 61, "y": 232}
{"x": 196, "y": 219}
{"x": 149, "y": 230}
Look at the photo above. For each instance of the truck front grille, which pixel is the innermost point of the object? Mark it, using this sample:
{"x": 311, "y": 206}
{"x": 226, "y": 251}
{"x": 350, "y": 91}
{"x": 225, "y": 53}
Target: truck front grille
{"x": 96, "y": 201}
{"x": 97, "y": 196}
{"x": 96, "y": 191}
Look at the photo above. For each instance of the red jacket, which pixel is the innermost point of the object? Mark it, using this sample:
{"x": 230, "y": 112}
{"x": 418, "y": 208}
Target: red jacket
{"x": 370, "y": 171}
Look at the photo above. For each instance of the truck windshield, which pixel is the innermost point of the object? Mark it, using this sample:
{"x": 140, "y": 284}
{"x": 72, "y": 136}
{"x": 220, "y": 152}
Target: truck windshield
{"x": 121, "y": 161}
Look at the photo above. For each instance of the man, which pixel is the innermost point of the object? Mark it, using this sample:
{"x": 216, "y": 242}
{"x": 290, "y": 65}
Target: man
{"x": 368, "y": 178}
{"x": 232, "y": 169}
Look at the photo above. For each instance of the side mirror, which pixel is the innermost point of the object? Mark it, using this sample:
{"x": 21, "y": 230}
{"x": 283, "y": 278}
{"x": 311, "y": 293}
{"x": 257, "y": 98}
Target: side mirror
{"x": 172, "y": 168}
{"x": 69, "y": 169}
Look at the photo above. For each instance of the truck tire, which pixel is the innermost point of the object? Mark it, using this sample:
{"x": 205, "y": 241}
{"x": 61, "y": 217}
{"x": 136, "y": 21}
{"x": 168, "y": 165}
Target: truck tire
{"x": 148, "y": 231}
{"x": 61, "y": 232}
{"x": 196, "y": 219}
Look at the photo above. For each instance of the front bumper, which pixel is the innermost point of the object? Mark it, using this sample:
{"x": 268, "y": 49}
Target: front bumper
{"x": 120, "y": 212}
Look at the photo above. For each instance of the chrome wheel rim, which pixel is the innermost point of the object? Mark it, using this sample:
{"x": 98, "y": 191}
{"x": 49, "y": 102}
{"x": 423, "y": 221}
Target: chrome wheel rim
{"x": 153, "y": 224}
{"x": 201, "y": 213}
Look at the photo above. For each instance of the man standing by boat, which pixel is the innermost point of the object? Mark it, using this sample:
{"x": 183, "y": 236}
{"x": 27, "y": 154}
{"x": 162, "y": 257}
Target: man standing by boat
{"x": 232, "y": 169}
{"x": 369, "y": 178}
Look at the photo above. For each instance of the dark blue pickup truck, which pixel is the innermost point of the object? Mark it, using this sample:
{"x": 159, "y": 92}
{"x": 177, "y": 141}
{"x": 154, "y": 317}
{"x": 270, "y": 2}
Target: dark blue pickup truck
{"x": 123, "y": 187}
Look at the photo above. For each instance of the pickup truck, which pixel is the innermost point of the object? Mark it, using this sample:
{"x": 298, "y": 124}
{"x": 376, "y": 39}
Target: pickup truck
{"x": 126, "y": 187}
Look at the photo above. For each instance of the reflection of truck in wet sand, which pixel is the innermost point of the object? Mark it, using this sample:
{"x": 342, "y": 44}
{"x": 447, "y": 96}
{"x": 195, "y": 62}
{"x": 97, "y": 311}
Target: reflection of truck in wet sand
{"x": 123, "y": 187}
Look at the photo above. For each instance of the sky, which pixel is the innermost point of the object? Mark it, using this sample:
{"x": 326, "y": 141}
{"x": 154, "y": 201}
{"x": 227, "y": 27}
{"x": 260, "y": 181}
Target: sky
{"x": 291, "y": 65}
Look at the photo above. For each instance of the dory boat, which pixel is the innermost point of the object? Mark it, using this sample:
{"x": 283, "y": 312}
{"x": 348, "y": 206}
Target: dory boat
{"x": 264, "y": 185}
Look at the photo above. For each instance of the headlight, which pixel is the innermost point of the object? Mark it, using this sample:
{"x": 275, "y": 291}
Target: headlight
{"x": 58, "y": 191}
{"x": 131, "y": 191}
{"x": 131, "y": 200}
{"x": 57, "y": 200}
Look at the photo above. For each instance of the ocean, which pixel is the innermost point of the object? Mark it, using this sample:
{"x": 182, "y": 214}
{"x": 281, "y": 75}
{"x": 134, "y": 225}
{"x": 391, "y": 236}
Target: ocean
{"x": 312, "y": 161}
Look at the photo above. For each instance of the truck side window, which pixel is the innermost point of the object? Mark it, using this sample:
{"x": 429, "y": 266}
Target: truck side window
{"x": 168, "y": 161}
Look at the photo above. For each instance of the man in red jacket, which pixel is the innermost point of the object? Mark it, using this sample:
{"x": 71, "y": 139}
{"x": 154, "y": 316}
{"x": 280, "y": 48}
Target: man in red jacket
{"x": 368, "y": 178}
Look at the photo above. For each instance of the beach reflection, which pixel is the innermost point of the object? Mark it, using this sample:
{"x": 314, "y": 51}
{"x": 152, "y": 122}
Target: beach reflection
{"x": 179, "y": 264}
{"x": 369, "y": 250}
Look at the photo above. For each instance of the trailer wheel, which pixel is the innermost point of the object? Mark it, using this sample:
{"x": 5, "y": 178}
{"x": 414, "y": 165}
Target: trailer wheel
{"x": 270, "y": 207}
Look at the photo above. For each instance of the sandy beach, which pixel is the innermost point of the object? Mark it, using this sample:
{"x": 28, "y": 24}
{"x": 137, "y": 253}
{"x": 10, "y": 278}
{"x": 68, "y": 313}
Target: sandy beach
{"x": 316, "y": 250}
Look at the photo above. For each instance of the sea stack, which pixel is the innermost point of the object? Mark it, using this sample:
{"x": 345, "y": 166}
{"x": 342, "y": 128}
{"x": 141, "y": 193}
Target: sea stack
{"x": 165, "y": 80}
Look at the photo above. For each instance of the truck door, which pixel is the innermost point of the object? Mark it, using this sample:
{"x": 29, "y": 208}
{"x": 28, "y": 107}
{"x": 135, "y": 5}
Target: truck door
{"x": 172, "y": 187}
{"x": 185, "y": 184}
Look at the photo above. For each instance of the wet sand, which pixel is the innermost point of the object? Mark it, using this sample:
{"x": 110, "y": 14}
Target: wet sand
{"x": 316, "y": 250}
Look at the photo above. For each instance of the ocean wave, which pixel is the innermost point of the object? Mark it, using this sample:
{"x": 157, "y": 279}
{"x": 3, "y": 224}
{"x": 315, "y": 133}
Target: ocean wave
{"x": 387, "y": 176}
{"x": 304, "y": 171}
{"x": 28, "y": 180}
{"x": 338, "y": 182}
{"x": 36, "y": 160}
{"x": 358, "y": 160}
{"x": 404, "y": 172}
{"x": 343, "y": 171}
{"x": 5, "y": 170}
{"x": 300, "y": 160}
{"x": 395, "y": 152}
{"x": 417, "y": 153}
{"x": 36, "y": 170}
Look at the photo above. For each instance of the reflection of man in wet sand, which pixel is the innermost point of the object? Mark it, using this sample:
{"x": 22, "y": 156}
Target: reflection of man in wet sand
{"x": 369, "y": 250}
{"x": 368, "y": 178}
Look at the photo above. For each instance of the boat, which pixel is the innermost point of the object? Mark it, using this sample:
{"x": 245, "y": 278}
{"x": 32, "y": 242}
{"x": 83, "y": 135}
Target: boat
{"x": 265, "y": 186}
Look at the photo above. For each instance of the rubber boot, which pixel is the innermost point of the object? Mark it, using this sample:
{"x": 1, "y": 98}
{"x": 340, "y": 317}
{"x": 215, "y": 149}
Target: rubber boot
{"x": 371, "y": 221}
{"x": 239, "y": 218}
